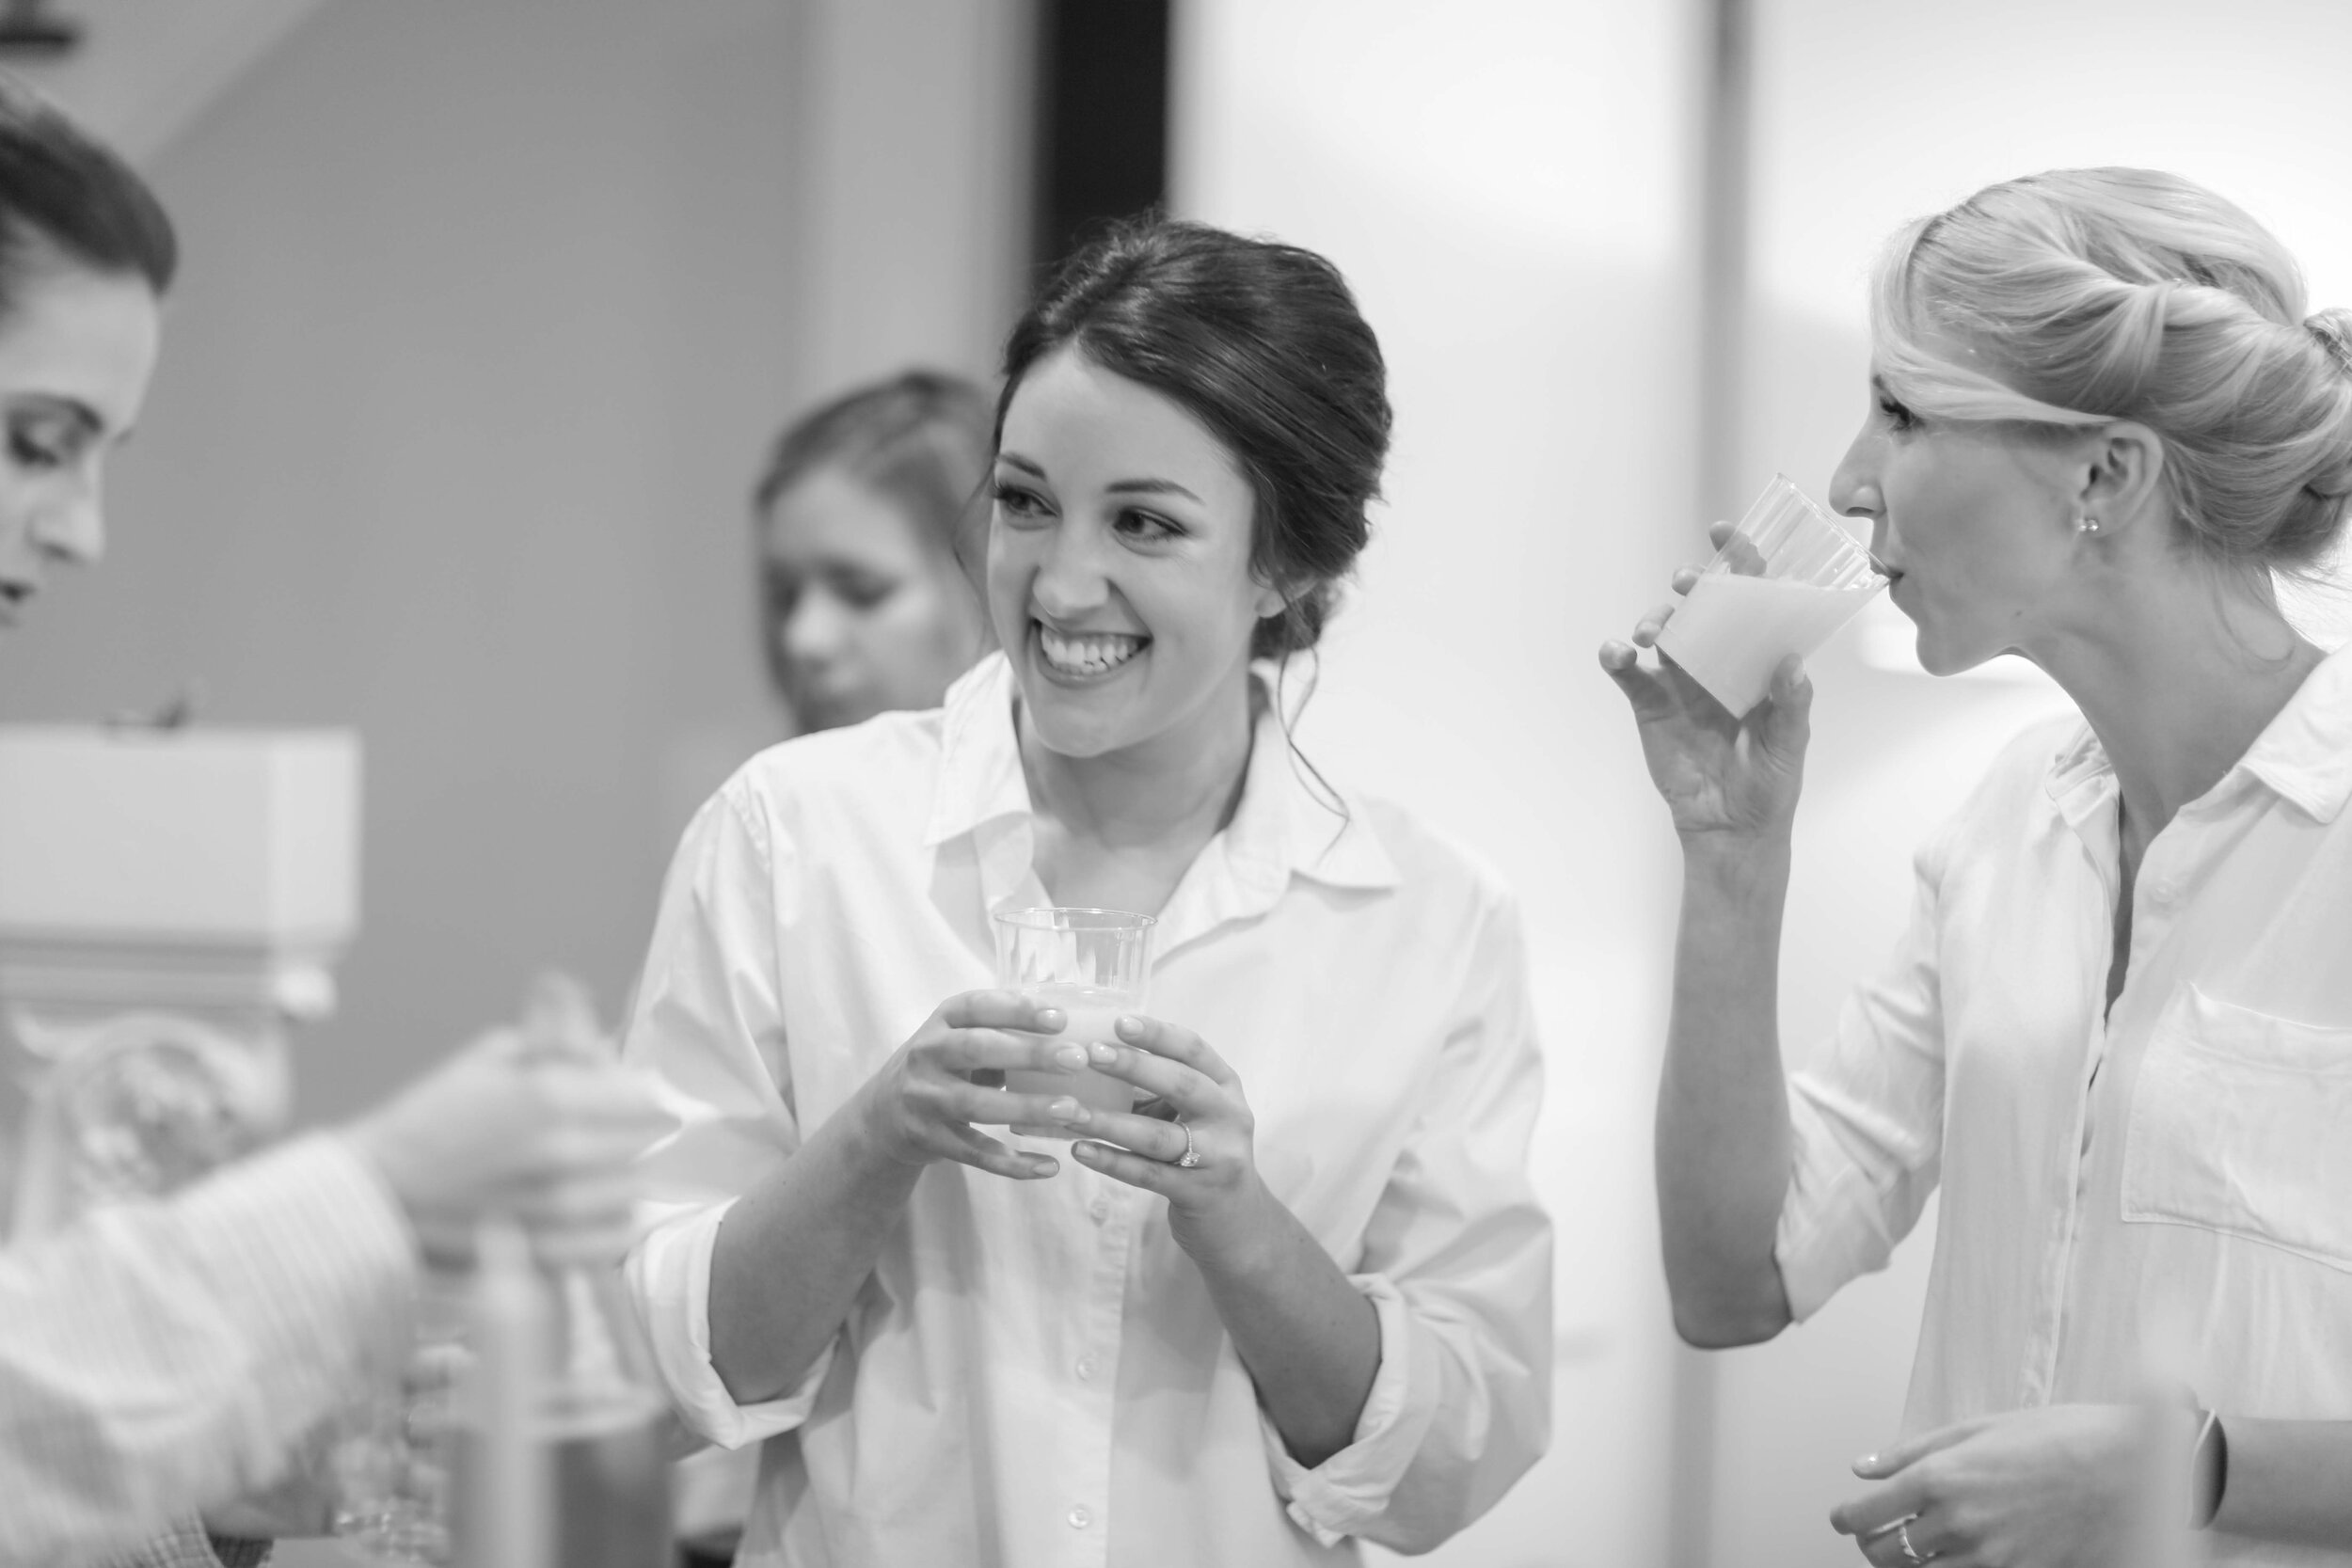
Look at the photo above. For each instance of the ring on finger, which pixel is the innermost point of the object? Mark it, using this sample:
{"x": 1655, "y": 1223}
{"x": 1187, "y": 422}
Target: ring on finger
{"x": 1902, "y": 1539}
{"x": 1190, "y": 1158}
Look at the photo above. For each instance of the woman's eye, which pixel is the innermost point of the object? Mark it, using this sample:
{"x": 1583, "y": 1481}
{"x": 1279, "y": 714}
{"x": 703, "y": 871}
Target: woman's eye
{"x": 860, "y": 591}
{"x": 1146, "y": 526}
{"x": 1018, "y": 501}
{"x": 29, "y": 452}
{"x": 1896, "y": 415}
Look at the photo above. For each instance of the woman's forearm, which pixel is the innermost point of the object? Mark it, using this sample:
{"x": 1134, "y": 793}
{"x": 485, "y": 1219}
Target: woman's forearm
{"x": 792, "y": 1255}
{"x": 2286, "y": 1482}
{"x": 1723, "y": 1108}
{"x": 1309, "y": 1339}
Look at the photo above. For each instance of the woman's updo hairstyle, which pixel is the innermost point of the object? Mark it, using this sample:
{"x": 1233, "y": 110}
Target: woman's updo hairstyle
{"x": 1263, "y": 343}
{"x": 2082, "y": 295}
{"x": 65, "y": 196}
{"x": 920, "y": 440}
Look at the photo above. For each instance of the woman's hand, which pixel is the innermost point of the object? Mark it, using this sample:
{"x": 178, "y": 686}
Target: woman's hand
{"x": 921, "y": 1105}
{"x": 2065, "y": 1486}
{"x": 1215, "y": 1205}
{"x": 1719, "y": 775}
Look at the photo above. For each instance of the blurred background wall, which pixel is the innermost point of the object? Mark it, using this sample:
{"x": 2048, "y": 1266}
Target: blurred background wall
{"x": 488, "y": 309}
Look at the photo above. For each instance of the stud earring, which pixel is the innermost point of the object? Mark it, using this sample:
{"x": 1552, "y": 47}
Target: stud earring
{"x": 2088, "y": 525}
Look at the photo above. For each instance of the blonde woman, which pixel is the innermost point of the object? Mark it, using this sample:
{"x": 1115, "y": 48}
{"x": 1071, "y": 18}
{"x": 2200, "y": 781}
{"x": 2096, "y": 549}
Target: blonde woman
{"x": 2118, "y": 1033}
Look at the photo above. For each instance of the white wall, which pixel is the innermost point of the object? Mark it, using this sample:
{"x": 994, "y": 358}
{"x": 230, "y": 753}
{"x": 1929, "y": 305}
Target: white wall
{"x": 1501, "y": 181}
{"x": 1870, "y": 114}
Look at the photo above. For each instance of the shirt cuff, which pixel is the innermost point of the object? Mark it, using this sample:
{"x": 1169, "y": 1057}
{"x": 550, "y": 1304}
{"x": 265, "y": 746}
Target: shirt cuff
{"x": 306, "y": 1247}
{"x": 669, "y": 1273}
{"x": 1831, "y": 1227}
{"x": 1352, "y": 1488}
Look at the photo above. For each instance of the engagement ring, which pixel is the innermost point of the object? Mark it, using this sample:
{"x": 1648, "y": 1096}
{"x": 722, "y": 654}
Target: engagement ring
{"x": 1191, "y": 1156}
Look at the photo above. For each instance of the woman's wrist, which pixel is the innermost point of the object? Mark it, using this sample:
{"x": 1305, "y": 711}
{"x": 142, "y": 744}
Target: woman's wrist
{"x": 1738, "y": 865}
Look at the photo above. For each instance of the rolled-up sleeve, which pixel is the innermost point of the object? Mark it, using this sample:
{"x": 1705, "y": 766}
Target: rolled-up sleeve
{"x": 1457, "y": 1265}
{"x": 1867, "y": 1115}
{"x": 708, "y": 1027}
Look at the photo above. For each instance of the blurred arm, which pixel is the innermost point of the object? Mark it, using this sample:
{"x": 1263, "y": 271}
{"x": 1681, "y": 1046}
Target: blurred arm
{"x": 156, "y": 1358}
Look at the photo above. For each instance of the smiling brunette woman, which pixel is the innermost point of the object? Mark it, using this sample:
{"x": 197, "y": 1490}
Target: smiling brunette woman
{"x": 1245, "y": 1331}
{"x": 2119, "y": 1032}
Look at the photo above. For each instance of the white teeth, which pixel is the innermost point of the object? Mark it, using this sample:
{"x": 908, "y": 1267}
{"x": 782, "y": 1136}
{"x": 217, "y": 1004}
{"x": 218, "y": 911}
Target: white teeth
{"x": 1090, "y": 654}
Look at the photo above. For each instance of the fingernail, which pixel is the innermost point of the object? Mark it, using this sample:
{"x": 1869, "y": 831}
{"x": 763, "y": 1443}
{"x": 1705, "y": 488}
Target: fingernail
{"x": 1130, "y": 1028}
{"x": 1087, "y": 1152}
{"x": 1866, "y": 1462}
{"x": 1051, "y": 1020}
{"x": 1102, "y": 1053}
{"x": 1071, "y": 1055}
{"x": 1067, "y": 1109}
{"x": 1043, "y": 1167}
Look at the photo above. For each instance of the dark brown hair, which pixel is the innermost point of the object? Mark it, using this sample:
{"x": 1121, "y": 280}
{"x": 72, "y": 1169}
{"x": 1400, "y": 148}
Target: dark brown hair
{"x": 1263, "y": 343}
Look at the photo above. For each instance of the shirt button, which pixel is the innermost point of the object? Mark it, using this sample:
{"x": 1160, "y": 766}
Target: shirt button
{"x": 2163, "y": 890}
{"x": 1086, "y": 1368}
{"x": 1080, "y": 1519}
{"x": 1101, "y": 1212}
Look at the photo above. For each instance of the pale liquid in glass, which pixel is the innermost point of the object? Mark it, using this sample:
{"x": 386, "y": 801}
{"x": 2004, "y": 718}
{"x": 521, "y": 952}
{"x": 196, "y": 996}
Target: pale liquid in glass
{"x": 1092, "y": 1012}
{"x": 1731, "y": 632}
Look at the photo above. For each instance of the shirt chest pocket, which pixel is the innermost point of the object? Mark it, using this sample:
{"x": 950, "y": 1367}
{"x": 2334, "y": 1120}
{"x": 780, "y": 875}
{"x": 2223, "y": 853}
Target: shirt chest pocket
{"x": 2238, "y": 1126}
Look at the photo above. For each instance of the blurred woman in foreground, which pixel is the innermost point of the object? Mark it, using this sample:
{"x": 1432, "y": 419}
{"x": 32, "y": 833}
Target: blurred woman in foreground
{"x": 2119, "y": 1032}
{"x": 162, "y": 1359}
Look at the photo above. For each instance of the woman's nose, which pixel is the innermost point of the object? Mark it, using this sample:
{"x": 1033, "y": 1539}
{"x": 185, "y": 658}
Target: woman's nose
{"x": 72, "y": 527}
{"x": 1853, "y": 490}
{"x": 815, "y": 628}
{"x": 1071, "y": 580}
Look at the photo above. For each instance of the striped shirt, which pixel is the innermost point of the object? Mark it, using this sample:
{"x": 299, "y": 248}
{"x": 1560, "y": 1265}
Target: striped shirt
{"x": 159, "y": 1359}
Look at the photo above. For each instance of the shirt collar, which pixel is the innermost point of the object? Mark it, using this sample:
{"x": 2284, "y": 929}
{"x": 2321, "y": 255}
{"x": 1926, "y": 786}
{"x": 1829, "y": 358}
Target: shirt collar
{"x": 2303, "y": 755}
{"x": 1285, "y": 825}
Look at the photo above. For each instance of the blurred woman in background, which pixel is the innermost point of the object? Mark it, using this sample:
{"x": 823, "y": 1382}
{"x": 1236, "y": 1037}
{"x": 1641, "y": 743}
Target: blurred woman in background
{"x": 2119, "y": 1032}
{"x": 1306, "y": 1302}
{"x": 871, "y": 514}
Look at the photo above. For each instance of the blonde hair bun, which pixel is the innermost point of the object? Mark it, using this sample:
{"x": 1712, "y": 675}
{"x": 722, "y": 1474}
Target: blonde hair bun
{"x": 2078, "y": 297}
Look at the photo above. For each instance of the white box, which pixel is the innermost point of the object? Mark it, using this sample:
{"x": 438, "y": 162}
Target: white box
{"x": 245, "y": 838}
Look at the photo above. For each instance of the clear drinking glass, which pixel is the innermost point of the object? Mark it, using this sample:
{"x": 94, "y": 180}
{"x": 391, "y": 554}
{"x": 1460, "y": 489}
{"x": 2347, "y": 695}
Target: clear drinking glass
{"x": 1094, "y": 965}
{"x": 1786, "y": 578}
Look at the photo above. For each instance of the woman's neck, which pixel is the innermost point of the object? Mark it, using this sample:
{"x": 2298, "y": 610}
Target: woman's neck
{"x": 1120, "y": 829}
{"x": 2178, "y": 684}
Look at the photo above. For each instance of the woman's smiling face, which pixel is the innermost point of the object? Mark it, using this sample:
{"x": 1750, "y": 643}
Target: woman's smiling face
{"x": 1119, "y": 570}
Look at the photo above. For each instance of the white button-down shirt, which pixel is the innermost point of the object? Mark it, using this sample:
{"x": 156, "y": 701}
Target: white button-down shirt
{"x": 1034, "y": 1375}
{"x": 2165, "y": 1192}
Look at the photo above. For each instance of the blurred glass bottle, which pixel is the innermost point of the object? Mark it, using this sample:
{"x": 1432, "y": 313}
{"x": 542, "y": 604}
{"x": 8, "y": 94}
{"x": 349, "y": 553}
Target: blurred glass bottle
{"x": 430, "y": 1454}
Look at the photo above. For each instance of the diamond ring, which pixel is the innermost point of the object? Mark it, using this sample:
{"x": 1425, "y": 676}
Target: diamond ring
{"x": 1191, "y": 1156}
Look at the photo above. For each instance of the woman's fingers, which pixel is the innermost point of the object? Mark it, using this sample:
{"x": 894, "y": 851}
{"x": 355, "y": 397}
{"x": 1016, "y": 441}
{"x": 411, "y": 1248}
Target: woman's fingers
{"x": 954, "y": 1102}
{"x": 1152, "y": 1176}
{"x": 965, "y": 1050}
{"x": 1149, "y": 1136}
{"x": 1173, "y": 1042}
{"x": 982, "y": 1152}
{"x": 1001, "y": 1010}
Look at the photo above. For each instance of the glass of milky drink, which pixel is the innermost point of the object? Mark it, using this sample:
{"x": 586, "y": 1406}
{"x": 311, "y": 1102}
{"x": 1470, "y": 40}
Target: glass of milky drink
{"x": 1787, "y": 578}
{"x": 1094, "y": 965}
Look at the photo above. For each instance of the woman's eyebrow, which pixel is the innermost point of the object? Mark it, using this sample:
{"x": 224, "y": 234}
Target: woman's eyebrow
{"x": 1026, "y": 466}
{"x": 1149, "y": 488}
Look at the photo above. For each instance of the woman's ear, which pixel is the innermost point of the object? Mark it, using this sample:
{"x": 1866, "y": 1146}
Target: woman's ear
{"x": 2121, "y": 476}
{"x": 1271, "y": 600}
